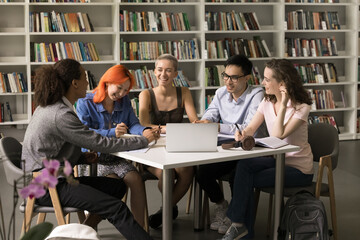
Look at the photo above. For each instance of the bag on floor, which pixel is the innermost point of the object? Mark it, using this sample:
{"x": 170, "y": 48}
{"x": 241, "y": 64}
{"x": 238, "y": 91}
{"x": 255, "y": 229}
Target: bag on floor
{"x": 304, "y": 217}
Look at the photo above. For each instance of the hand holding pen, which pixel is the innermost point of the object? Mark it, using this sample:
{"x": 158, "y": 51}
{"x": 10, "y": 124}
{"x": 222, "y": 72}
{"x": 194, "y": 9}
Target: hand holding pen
{"x": 120, "y": 129}
{"x": 238, "y": 135}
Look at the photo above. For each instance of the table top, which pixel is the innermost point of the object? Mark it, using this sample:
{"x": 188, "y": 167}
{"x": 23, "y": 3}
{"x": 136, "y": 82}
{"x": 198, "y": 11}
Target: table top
{"x": 158, "y": 157}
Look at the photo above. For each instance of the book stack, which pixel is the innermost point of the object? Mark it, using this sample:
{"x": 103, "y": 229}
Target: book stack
{"x": 305, "y": 20}
{"x": 225, "y": 48}
{"x": 181, "y": 49}
{"x": 153, "y": 21}
{"x": 301, "y": 47}
{"x": 60, "y": 22}
{"x": 232, "y": 21}
{"x": 12, "y": 83}
{"x": 53, "y": 52}
{"x": 208, "y": 100}
{"x": 323, "y": 119}
{"x": 317, "y": 72}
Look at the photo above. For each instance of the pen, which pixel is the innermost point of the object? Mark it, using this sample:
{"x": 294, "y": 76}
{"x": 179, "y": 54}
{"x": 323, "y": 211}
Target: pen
{"x": 238, "y": 128}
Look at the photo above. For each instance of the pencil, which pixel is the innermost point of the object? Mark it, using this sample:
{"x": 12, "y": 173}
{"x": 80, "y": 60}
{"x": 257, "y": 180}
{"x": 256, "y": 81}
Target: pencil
{"x": 238, "y": 128}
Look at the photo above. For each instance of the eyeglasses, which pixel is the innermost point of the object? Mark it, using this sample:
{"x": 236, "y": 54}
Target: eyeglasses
{"x": 233, "y": 78}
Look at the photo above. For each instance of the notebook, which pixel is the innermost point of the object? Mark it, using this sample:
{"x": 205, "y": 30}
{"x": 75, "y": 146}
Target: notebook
{"x": 191, "y": 137}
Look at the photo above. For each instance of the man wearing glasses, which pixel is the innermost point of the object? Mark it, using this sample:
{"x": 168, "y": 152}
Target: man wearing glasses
{"x": 234, "y": 103}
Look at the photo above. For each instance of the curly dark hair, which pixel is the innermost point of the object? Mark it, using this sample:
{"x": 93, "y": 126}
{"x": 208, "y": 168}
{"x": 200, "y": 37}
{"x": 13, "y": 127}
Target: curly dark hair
{"x": 52, "y": 82}
{"x": 284, "y": 70}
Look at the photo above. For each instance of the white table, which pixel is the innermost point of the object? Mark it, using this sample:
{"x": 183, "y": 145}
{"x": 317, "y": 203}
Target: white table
{"x": 158, "y": 157}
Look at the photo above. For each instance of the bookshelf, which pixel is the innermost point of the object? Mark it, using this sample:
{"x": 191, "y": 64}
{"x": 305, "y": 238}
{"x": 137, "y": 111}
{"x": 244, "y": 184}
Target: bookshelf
{"x": 15, "y": 51}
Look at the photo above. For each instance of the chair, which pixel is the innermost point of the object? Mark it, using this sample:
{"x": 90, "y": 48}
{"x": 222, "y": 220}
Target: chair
{"x": 324, "y": 142}
{"x": 11, "y": 150}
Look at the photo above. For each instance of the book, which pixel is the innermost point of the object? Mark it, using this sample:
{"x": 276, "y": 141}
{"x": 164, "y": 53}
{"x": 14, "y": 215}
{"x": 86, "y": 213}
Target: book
{"x": 9, "y": 111}
{"x": 270, "y": 142}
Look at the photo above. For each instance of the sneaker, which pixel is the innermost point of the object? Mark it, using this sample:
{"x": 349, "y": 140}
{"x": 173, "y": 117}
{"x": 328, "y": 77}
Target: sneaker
{"x": 219, "y": 215}
{"x": 155, "y": 220}
{"x": 235, "y": 233}
{"x": 224, "y": 226}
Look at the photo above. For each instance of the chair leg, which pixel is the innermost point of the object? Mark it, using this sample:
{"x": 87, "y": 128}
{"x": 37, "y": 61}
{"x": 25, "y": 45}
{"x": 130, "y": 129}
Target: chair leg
{"x": 268, "y": 228}
{"x": 206, "y": 210}
{"x": 256, "y": 199}
{"x": 67, "y": 220}
{"x": 146, "y": 215}
{"x": 81, "y": 216}
{"x": 41, "y": 218}
{"x": 332, "y": 204}
{"x": 187, "y": 211}
{"x": 28, "y": 214}
{"x": 124, "y": 199}
{"x": 57, "y": 206}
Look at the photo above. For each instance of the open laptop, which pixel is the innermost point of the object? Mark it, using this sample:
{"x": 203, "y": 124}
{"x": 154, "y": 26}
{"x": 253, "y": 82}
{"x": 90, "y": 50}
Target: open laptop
{"x": 191, "y": 137}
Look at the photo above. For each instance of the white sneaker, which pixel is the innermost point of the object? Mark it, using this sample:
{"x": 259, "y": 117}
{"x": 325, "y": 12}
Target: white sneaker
{"x": 224, "y": 226}
{"x": 219, "y": 215}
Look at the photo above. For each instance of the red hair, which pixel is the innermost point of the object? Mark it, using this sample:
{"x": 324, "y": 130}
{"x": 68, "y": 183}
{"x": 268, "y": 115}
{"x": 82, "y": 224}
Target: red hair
{"x": 117, "y": 74}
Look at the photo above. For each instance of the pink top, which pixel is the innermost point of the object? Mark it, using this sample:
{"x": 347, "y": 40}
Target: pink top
{"x": 302, "y": 159}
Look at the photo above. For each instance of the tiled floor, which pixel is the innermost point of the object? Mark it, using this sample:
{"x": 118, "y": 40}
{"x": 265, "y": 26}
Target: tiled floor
{"x": 347, "y": 189}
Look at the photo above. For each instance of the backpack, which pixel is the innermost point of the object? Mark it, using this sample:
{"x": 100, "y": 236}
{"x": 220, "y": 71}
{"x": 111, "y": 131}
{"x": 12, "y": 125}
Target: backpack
{"x": 304, "y": 217}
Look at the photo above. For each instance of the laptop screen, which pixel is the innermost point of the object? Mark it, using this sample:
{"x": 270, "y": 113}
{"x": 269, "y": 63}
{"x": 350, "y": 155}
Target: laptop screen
{"x": 191, "y": 137}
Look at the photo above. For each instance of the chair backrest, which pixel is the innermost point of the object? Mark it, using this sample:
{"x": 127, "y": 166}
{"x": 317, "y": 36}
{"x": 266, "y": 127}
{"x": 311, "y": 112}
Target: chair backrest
{"x": 324, "y": 140}
{"x": 10, "y": 150}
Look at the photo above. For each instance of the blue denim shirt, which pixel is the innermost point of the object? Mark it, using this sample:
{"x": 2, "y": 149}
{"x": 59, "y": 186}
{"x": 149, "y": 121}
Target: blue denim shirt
{"x": 225, "y": 109}
{"x": 95, "y": 116}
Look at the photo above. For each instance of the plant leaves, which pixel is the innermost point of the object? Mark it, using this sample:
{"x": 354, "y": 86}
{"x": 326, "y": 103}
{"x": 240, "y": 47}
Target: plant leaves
{"x": 38, "y": 232}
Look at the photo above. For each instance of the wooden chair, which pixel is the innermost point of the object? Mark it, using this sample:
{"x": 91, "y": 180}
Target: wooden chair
{"x": 324, "y": 142}
{"x": 11, "y": 154}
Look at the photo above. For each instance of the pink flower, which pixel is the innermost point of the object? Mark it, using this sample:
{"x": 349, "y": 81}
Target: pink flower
{"x": 32, "y": 191}
{"x": 52, "y": 166}
{"x": 46, "y": 179}
{"x": 67, "y": 168}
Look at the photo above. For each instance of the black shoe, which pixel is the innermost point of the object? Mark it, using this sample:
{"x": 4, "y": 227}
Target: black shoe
{"x": 155, "y": 220}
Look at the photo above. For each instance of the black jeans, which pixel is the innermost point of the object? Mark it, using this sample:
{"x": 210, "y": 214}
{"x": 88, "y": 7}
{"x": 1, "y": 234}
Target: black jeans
{"x": 208, "y": 174}
{"x": 101, "y": 196}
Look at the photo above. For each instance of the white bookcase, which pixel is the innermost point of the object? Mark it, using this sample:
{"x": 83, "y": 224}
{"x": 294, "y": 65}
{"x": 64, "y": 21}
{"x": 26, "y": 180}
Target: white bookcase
{"x": 15, "y": 40}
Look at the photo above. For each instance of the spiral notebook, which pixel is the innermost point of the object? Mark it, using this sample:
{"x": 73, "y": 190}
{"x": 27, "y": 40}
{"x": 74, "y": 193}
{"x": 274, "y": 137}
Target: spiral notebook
{"x": 191, "y": 137}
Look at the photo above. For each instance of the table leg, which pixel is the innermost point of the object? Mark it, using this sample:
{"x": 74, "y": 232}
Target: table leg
{"x": 279, "y": 184}
{"x": 198, "y": 220}
{"x": 167, "y": 204}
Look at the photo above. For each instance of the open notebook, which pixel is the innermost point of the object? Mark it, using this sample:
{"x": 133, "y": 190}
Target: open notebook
{"x": 270, "y": 142}
{"x": 191, "y": 137}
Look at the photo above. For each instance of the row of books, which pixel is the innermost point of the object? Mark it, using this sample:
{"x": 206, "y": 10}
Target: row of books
{"x": 153, "y": 1}
{"x": 12, "y": 83}
{"x": 301, "y": 47}
{"x": 329, "y": 119}
{"x": 62, "y": 1}
{"x": 146, "y": 79}
{"x": 220, "y": 1}
{"x": 91, "y": 80}
{"x": 60, "y": 22}
{"x": 5, "y": 114}
{"x": 153, "y": 21}
{"x": 229, "y": 47}
{"x": 213, "y": 76}
{"x": 304, "y": 20}
{"x": 232, "y": 21}
{"x": 312, "y": 1}
{"x": 181, "y": 49}
{"x": 317, "y": 72}
{"x": 135, "y": 105}
{"x": 53, "y": 52}
{"x": 322, "y": 99}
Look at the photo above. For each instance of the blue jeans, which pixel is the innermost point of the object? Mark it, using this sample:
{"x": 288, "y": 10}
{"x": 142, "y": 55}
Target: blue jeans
{"x": 259, "y": 173}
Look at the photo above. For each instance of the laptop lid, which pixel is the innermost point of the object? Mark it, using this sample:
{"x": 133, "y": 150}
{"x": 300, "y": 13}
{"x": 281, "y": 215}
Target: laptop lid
{"x": 190, "y": 137}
